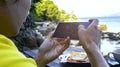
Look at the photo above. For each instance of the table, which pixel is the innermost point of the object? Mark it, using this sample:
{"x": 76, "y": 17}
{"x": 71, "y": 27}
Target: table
{"x": 106, "y": 47}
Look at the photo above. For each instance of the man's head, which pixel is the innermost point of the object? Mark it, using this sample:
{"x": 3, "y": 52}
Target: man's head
{"x": 12, "y": 14}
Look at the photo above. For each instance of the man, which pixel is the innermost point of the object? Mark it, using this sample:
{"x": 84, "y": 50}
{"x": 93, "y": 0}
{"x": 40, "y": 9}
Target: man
{"x": 13, "y": 13}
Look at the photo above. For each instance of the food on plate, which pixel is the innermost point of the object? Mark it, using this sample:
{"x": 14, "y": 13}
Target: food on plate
{"x": 77, "y": 57}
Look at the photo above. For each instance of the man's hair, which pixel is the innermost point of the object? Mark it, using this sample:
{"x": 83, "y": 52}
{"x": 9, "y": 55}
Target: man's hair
{"x": 3, "y": 2}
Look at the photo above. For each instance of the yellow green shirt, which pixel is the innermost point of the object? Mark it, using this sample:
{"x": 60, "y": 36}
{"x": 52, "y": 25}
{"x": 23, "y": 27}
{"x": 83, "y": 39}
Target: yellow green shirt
{"x": 11, "y": 57}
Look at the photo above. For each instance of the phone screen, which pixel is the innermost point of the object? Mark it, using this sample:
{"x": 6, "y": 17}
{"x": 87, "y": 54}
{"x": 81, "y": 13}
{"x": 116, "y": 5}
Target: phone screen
{"x": 70, "y": 29}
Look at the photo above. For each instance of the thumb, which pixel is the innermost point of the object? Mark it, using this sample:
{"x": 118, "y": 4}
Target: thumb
{"x": 51, "y": 34}
{"x": 67, "y": 41}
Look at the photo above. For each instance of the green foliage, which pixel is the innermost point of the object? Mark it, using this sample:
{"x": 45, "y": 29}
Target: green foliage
{"x": 33, "y": 16}
{"x": 46, "y": 10}
{"x": 73, "y": 16}
{"x": 63, "y": 16}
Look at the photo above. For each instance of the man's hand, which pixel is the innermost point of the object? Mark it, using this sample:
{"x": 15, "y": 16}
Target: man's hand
{"x": 90, "y": 40}
{"x": 90, "y": 35}
{"x": 51, "y": 49}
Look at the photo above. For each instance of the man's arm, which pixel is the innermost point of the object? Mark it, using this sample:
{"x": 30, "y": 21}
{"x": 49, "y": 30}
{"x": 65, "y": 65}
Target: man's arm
{"x": 90, "y": 40}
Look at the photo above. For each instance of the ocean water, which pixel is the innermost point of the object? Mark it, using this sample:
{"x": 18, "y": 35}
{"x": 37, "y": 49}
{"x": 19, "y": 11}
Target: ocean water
{"x": 113, "y": 23}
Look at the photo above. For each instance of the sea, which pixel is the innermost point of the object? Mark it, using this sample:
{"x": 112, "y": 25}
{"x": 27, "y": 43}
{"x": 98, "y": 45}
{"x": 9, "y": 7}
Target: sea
{"x": 113, "y": 23}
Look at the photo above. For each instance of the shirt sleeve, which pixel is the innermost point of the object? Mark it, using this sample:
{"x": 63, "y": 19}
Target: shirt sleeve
{"x": 11, "y": 57}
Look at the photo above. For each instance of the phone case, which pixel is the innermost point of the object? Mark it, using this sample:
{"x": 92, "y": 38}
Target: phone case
{"x": 70, "y": 29}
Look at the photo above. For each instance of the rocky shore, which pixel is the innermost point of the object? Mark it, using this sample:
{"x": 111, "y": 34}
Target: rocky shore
{"x": 111, "y": 36}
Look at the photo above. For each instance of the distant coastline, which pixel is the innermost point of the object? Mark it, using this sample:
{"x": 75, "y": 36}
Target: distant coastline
{"x": 104, "y": 19}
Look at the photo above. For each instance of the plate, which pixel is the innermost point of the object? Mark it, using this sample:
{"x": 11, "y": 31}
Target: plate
{"x": 61, "y": 61}
{"x": 74, "y": 55}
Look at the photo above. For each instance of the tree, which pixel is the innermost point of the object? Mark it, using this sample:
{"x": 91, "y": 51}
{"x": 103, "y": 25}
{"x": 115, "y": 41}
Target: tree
{"x": 33, "y": 16}
{"x": 46, "y": 10}
{"x": 63, "y": 16}
{"x": 73, "y": 16}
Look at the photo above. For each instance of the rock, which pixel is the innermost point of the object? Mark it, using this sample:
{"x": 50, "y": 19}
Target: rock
{"x": 111, "y": 36}
{"x": 45, "y": 27}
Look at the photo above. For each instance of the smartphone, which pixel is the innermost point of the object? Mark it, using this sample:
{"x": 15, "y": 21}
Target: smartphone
{"x": 70, "y": 29}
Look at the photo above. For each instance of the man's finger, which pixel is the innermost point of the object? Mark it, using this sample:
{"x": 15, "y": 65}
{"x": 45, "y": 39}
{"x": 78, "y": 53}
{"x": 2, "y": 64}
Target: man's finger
{"x": 65, "y": 41}
{"x": 93, "y": 24}
{"x": 81, "y": 27}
